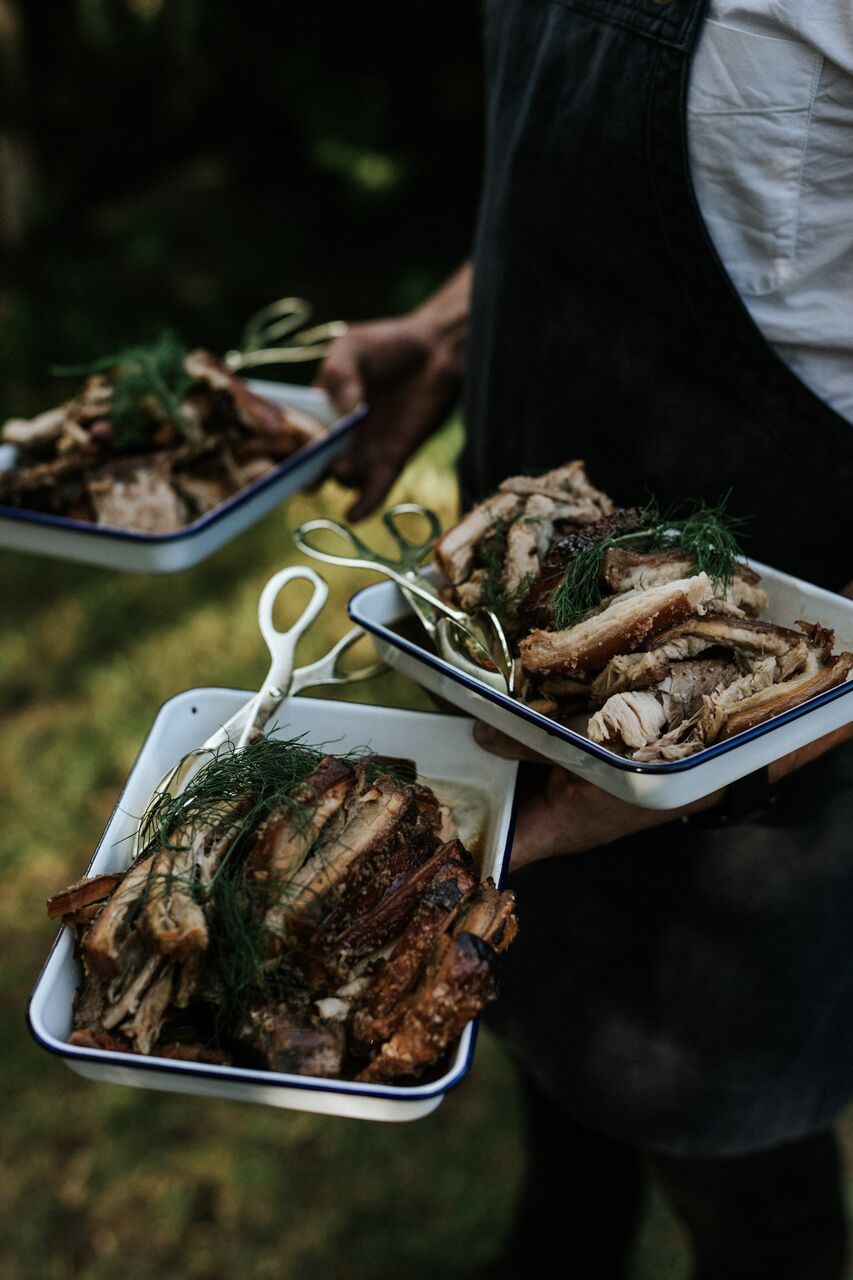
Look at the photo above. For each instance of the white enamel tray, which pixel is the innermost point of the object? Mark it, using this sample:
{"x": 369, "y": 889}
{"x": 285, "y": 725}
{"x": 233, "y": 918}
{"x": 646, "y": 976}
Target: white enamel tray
{"x": 446, "y": 754}
{"x": 67, "y": 539}
{"x": 652, "y": 786}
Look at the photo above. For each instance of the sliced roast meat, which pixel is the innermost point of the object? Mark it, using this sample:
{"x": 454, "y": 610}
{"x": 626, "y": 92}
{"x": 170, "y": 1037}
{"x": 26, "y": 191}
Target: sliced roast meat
{"x": 490, "y": 914}
{"x": 454, "y": 551}
{"x": 629, "y": 671}
{"x": 457, "y": 984}
{"x": 282, "y": 429}
{"x": 631, "y": 719}
{"x": 781, "y": 697}
{"x": 568, "y": 485}
{"x": 106, "y": 936}
{"x": 83, "y": 893}
{"x": 278, "y": 1038}
{"x": 636, "y": 718}
{"x": 369, "y": 821}
{"x": 137, "y": 495}
{"x": 383, "y": 1005}
{"x": 743, "y": 635}
{"x": 369, "y": 931}
{"x": 624, "y": 570}
{"x": 535, "y": 608}
{"x": 622, "y": 627}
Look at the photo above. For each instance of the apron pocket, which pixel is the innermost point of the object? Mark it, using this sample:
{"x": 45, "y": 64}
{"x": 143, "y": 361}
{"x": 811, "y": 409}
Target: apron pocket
{"x": 748, "y": 115}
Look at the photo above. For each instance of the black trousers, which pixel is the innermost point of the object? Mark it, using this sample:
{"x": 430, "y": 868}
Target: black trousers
{"x": 774, "y": 1215}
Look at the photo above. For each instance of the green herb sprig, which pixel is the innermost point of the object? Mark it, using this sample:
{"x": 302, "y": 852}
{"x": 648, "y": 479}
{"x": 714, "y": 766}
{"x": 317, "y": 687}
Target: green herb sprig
{"x": 706, "y": 533}
{"x": 149, "y": 384}
{"x": 234, "y": 793}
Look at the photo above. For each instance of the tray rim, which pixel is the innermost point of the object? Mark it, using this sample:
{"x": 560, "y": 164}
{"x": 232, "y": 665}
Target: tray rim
{"x": 66, "y": 524}
{"x": 571, "y": 736}
{"x": 247, "y": 1075}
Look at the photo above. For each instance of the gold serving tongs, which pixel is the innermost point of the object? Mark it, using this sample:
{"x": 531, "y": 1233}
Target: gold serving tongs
{"x": 476, "y": 640}
{"x": 274, "y": 335}
{"x": 282, "y": 681}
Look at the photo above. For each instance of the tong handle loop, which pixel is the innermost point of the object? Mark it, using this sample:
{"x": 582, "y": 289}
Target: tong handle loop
{"x": 411, "y": 552}
{"x": 281, "y": 643}
{"x": 364, "y": 557}
{"x": 274, "y": 335}
{"x": 329, "y": 668}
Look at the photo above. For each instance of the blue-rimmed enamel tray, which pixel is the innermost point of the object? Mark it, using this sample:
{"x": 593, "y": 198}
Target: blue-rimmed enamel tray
{"x": 481, "y": 789}
{"x": 67, "y": 539}
{"x": 380, "y": 608}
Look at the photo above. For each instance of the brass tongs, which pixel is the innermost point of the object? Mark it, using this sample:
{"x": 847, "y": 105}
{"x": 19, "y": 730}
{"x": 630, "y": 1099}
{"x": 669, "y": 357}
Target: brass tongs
{"x": 476, "y": 640}
{"x": 275, "y": 335}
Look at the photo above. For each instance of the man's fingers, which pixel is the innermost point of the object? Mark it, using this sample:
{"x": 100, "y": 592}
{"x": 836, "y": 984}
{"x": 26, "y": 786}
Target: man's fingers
{"x": 348, "y": 469}
{"x": 376, "y": 485}
{"x": 340, "y": 377}
{"x": 499, "y": 744}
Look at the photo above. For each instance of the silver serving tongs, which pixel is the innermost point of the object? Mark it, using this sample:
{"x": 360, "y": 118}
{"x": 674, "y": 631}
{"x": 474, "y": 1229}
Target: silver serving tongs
{"x": 477, "y": 639}
{"x": 282, "y": 680}
{"x": 274, "y": 335}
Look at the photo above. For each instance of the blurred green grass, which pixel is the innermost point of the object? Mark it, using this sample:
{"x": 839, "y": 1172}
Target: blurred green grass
{"x": 100, "y": 1181}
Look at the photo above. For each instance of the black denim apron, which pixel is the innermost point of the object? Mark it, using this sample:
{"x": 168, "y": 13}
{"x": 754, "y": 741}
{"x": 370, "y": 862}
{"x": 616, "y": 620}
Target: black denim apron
{"x": 689, "y": 990}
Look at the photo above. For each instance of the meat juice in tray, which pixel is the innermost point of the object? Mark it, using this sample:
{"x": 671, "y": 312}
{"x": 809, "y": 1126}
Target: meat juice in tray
{"x": 645, "y": 657}
{"x": 363, "y": 1006}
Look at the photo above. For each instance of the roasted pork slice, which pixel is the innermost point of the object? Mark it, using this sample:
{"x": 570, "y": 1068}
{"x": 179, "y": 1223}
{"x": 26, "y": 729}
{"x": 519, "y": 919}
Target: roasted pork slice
{"x": 527, "y": 542}
{"x": 370, "y": 820}
{"x": 628, "y": 671}
{"x": 568, "y": 485}
{"x": 284, "y": 430}
{"x": 143, "y": 1024}
{"x": 631, "y": 719}
{"x": 285, "y": 839}
{"x": 454, "y": 551}
{"x": 783, "y": 696}
{"x": 106, "y": 937}
{"x": 173, "y": 916}
{"x": 623, "y": 626}
{"x": 35, "y": 433}
{"x": 456, "y": 985}
{"x": 490, "y": 914}
{"x": 377, "y": 876}
{"x": 748, "y": 637}
{"x": 278, "y": 1038}
{"x": 625, "y": 570}
{"x": 535, "y": 608}
{"x": 368, "y": 931}
{"x": 137, "y": 494}
{"x": 382, "y": 1007}
{"x": 92, "y": 1038}
{"x": 637, "y": 717}
{"x": 83, "y": 893}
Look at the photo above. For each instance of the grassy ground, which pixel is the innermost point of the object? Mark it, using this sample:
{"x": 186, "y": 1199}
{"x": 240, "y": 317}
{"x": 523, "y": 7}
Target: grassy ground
{"x": 100, "y": 1181}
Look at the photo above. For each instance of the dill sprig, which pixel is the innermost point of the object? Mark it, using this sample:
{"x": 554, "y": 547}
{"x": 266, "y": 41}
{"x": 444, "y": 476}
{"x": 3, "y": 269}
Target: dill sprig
{"x": 491, "y": 556}
{"x": 149, "y": 384}
{"x": 233, "y": 794}
{"x": 706, "y": 533}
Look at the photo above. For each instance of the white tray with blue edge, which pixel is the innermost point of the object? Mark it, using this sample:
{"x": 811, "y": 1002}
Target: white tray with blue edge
{"x": 379, "y": 608}
{"x": 68, "y": 539}
{"x": 445, "y": 752}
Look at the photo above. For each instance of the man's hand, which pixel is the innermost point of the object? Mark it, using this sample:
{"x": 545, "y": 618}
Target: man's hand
{"x": 562, "y": 813}
{"x": 565, "y": 814}
{"x": 409, "y": 370}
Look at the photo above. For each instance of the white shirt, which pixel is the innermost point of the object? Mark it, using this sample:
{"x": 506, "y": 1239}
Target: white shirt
{"x": 770, "y": 135}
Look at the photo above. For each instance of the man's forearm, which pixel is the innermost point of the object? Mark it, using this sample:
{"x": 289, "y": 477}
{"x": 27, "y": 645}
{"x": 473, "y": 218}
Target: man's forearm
{"x": 445, "y": 314}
